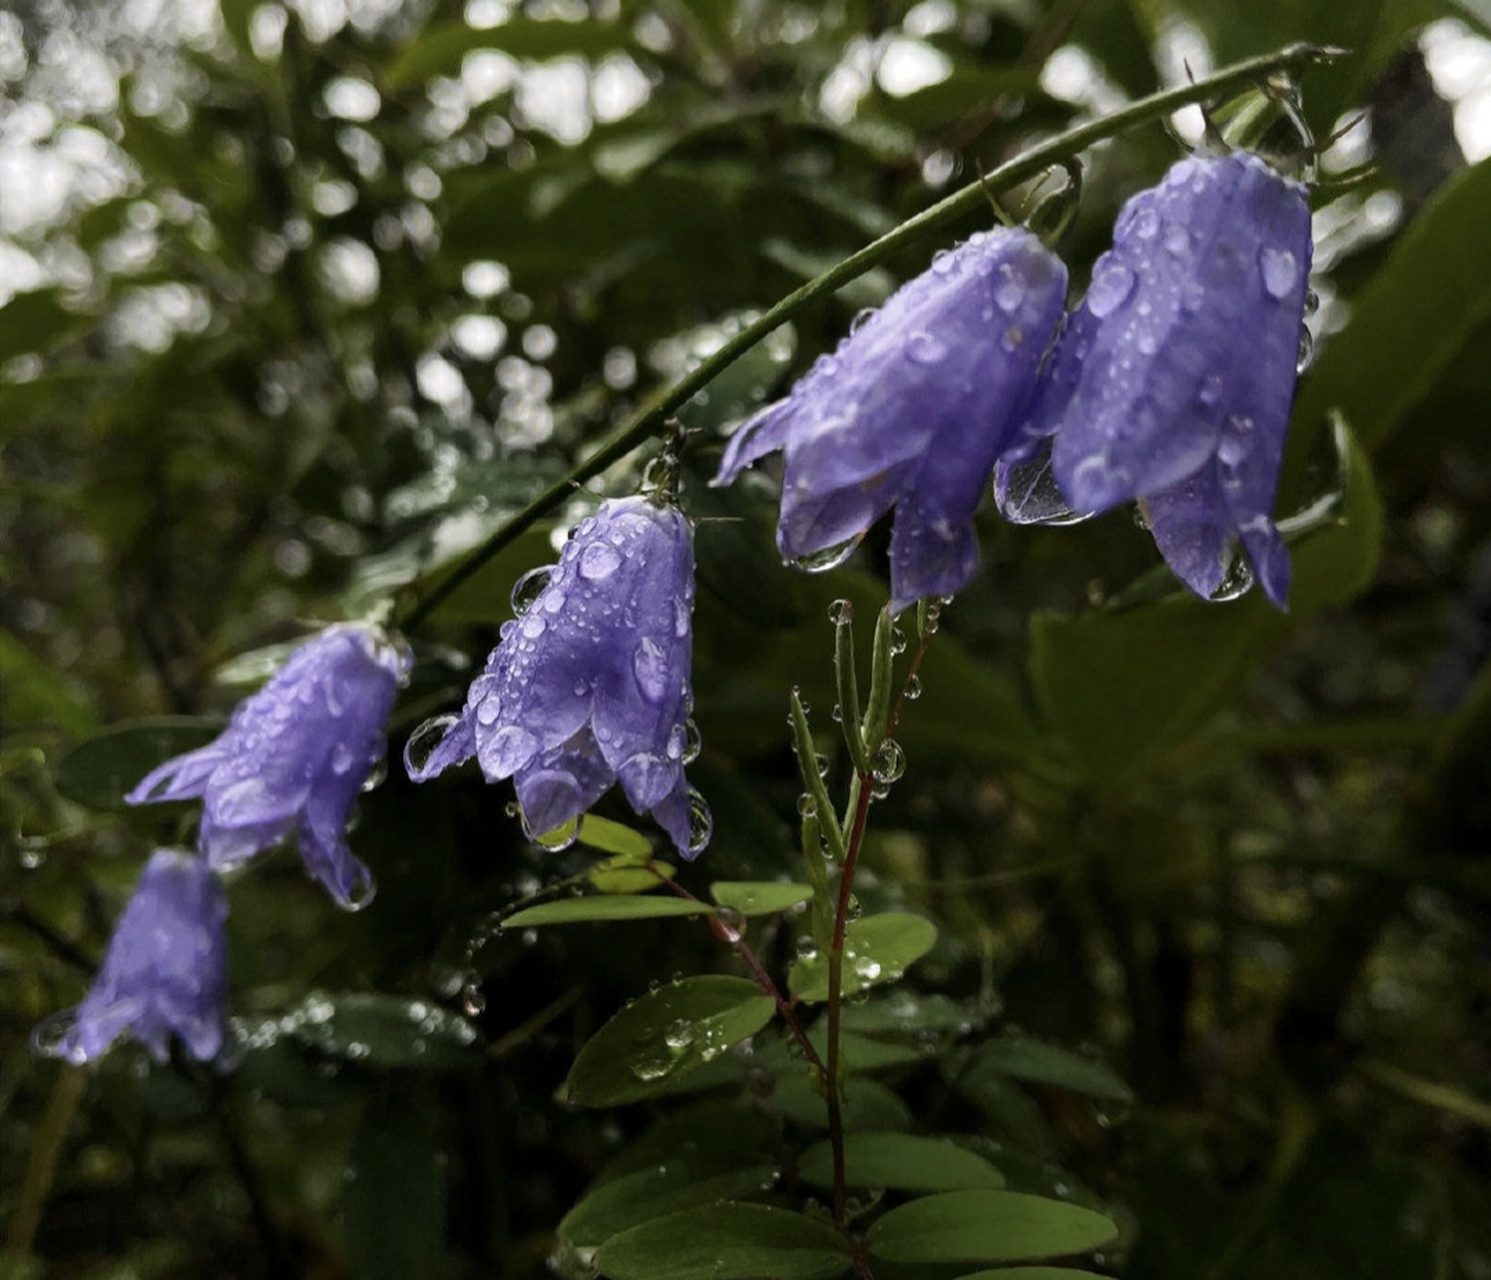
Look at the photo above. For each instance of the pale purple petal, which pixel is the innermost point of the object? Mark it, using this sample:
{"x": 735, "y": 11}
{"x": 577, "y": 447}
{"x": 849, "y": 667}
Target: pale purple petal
{"x": 913, "y": 409}
{"x": 165, "y": 970}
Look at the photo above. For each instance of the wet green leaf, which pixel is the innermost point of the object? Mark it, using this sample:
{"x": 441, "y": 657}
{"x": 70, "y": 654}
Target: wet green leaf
{"x": 726, "y": 1242}
{"x": 384, "y": 1032}
{"x": 634, "y": 1198}
{"x": 759, "y": 897}
{"x": 605, "y": 907}
{"x": 986, "y": 1226}
{"x": 664, "y": 1035}
{"x": 876, "y": 949}
{"x": 1033, "y": 1273}
{"x": 900, "y": 1161}
{"x": 622, "y": 875}
{"x": 1046, "y": 1064}
{"x": 867, "y": 1104}
{"x": 614, "y": 837}
{"x": 99, "y": 772}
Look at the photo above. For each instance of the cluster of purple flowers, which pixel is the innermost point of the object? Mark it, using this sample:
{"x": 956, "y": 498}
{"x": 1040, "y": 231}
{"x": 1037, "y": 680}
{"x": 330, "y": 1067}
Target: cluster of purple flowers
{"x": 1170, "y": 384}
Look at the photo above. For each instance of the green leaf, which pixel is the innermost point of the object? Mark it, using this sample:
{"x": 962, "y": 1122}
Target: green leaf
{"x": 908, "y": 1013}
{"x": 900, "y": 1161}
{"x": 623, "y": 876}
{"x": 1413, "y": 318}
{"x": 35, "y": 693}
{"x": 1033, "y": 1273}
{"x": 1046, "y": 1064}
{"x": 1124, "y": 686}
{"x": 759, "y": 897}
{"x": 383, "y": 1031}
{"x": 439, "y": 50}
{"x": 867, "y": 1104}
{"x": 614, "y": 837}
{"x": 394, "y": 1200}
{"x": 37, "y": 321}
{"x": 99, "y": 772}
{"x": 876, "y": 949}
{"x": 987, "y": 1226}
{"x": 726, "y": 1242}
{"x": 605, "y": 907}
{"x": 634, "y": 1198}
{"x": 665, "y": 1035}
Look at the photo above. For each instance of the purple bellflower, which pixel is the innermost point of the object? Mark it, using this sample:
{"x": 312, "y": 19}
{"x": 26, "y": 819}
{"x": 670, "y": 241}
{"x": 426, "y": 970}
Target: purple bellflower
{"x": 166, "y": 970}
{"x": 293, "y": 759}
{"x": 911, "y": 412}
{"x": 1172, "y": 381}
{"x": 590, "y": 683}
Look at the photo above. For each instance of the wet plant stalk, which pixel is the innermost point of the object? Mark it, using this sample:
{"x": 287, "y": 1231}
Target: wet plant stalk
{"x": 653, "y": 418}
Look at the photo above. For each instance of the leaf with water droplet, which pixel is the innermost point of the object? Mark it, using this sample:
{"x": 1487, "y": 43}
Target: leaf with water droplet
{"x": 384, "y": 1032}
{"x": 640, "y": 1053}
{"x": 877, "y": 949}
{"x": 1040, "y": 1063}
{"x": 620, "y": 1203}
{"x": 759, "y": 897}
{"x": 98, "y": 771}
{"x": 624, "y": 875}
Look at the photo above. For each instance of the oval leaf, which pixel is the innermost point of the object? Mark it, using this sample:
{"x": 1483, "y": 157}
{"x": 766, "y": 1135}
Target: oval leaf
{"x": 1033, "y": 1273}
{"x": 635, "y": 1198}
{"x": 1046, "y": 1064}
{"x": 390, "y": 1032}
{"x": 876, "y": 949}
{"x": 987, "y": 1226}
{"x": 759, "y": 897}
{"x": 99, "y": 772}
{"x": 901, "y": 1161}
{"x": 605, "y": 907}
{"x": 664, "y": 1036}
{"x": 725, "y": 1242}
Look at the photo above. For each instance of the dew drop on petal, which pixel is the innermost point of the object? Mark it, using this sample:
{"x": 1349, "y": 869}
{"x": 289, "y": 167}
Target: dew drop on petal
{"x": 1177, "y": 239}
{"x": 925, "y": 348}
{"x": 1110, "y": 290}
{"x": 682, "y": 616}
{"x": 423, "y": 741}
{"x": 342, "y": 759}
{"x": 377, "y": 775}
{"x": 650, "y": 666}
{"x": 1280, "y": 270}
{"x": 693, "y": 742}
{"x": 488, "y": 710}
{"x": 1237, "y": 576}
{"x": 599, "y": 561}
{"x": 826, "y": 559}
{"x": 1210, "y": 393}
{"x": 1147, "y": 223}
{"x": 678, "y": 739}
{"x": 364, "y": 889}
{"x": 532, "y": 625}
{"x": 1010, "y": 290}
{"x": 1305, "y": 352}
{"x": 1028, "y": 493}
{"x": 701, "y": 823}
{"x": 529, "y": 587}
{"x": 242, "y": 802}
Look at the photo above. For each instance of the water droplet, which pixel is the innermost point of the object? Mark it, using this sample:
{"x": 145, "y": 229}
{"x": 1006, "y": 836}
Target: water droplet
{"x": 533, "y": 625}
{"x": 1110, "y": 290}
{"x": 364, "y": 889}
{"x": 679, "y": 1035}
{"x": 376, "y": 775}
{"x": 807, "y": 806}
{"x": 1027, "y": 493}
{"x": 1312, "y": 302}
{"x": 925, "y": 348}
{"x": 889, "y": 763}
{"x": 701, "y": 823}
{"x": 488, "y": 710}
{"x": 897, "y": 640}
{"x": 1147, "y": 223}
{"x": 529, "y": 587}
{"x": 1210, "y": 392}
{"x": 693, "y": 743}
{"x": 1237, "y": 577}
{"x": 914, "y": 683}
{"x": 682, "y": 616}
{"x": 807, "y": 946}
{"x": 649, "y": 1069}
{"x": 841, "y": 612}
{"x": 50, "y": 1036}
{"x": 826, "y": 559}
{"x": 1306, "y": 350}
{"x": 1280, "y": 270}
{"x": 241, "y": 803}
{"x": 861, "y": 318}
{"x": 650, "y": 666}
{"x": 599, "y": 561}
{"x": 1177, "y": 239}
{"x": 342, "y": 758}
{"x": 1010, "y": 289}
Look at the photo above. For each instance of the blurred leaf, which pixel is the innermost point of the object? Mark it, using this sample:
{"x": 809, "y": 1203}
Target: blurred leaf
{"x": 663, "y": 1036}
{"x": 585, "y": 910}
{"x": 439, "y": 50}
{"x": 35, "y": 694}
{"x": 868, "y": 1105}
{"x": 1412, "y": 319}
{"x": 876, "y": 949}
{"x": 394, "y": 1203}
{"x": 1125, "y": 686}
{"x": 99, "y": 772}
{"x": 759, "y": 897}
{"x": 986, "y": 1226}
{"x": 385, "y": 1032}
{"x": 1033, "y": 1273}
{"x": 726, "y": 1242}
{"x": 907, "y": 1013}
{"x": 1045, "y": 1064}
{"x": 38, "y": 322}
{"x": 639, "y": 1197}
{"x": 900, "y": 1161}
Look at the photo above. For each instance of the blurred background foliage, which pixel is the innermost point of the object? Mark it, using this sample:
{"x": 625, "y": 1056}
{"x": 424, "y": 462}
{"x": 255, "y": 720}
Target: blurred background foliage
{"x": 299, "y": 301}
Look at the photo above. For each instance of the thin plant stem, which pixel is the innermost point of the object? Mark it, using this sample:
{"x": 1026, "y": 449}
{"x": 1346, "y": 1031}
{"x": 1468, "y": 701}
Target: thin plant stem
{"x": 653, "y": 418}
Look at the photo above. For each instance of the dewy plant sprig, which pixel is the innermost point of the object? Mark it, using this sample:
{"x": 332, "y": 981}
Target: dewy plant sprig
{"x": 591, "y": 684}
